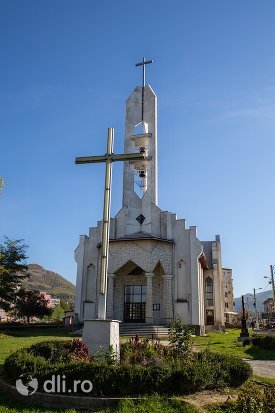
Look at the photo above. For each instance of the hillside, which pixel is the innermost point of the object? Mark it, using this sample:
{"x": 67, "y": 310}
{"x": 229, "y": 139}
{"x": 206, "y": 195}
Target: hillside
{"x": 260, "y": 298}
{"x": 50, "y": 282}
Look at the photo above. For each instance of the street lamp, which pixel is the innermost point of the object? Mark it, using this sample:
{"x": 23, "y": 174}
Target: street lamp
{"x": 255, "y": 305}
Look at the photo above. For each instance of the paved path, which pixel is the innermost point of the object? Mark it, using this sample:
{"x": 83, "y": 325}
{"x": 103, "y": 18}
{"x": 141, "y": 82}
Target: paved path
{"x": 263, "y": 368}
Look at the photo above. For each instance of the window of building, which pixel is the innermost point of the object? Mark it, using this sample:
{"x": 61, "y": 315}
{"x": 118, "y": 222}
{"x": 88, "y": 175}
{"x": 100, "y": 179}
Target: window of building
{"x": 225, "y": 285}
{"x": 135, "y": 293}
{"x": 209, "y": 292}
{"x": 226, "y": 305}
{"x": 156, "y": 307}
{"x": 225, "y": 274}
{"x": 225, "y": 295}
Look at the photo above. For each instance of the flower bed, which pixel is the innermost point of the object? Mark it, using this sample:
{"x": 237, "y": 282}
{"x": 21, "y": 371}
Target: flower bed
{"x": 144, "y": 368}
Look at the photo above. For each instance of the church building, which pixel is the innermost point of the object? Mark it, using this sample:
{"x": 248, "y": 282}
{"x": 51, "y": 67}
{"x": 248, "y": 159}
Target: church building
{"x": 158, "y": 269}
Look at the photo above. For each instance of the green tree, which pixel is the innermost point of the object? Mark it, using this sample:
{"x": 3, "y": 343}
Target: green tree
{"x": 65, "y": 305}
{"x": 180, "y": 337}
{"x": 1, "y": 185}
{"x": 13, "y": 270}
{"x": 31, "y": 303}
{"x": 58, "y": 314}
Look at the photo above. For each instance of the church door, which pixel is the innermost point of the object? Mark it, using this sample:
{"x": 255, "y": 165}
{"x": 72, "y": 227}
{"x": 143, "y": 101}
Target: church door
{"x": 209, "y": 317}
{"x": 134, "y": 303}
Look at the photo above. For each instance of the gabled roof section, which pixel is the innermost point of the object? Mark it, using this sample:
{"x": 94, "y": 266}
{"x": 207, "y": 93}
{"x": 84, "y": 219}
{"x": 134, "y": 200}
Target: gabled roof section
{"x": 139, "y": 236}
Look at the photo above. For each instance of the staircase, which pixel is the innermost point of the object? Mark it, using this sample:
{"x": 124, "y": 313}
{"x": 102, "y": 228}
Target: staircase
{"x": 143, "y": 330}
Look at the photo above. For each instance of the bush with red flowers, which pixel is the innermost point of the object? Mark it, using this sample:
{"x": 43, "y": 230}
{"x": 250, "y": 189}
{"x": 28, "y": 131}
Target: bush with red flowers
{"x": 78, "y": 350}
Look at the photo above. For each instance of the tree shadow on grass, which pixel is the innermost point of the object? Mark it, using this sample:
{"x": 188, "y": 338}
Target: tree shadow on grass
{"x": 39, "y": 332}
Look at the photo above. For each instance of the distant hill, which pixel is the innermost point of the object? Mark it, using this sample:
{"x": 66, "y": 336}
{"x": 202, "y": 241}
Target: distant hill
{"x": 50, "y": 282}
{"x": 260, "y": 298}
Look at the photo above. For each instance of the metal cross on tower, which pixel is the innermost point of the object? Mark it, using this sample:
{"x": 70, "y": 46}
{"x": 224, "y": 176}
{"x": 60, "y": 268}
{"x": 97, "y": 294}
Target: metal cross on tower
{"x": 143, "y": 63}
{"x": 108, "y": 158}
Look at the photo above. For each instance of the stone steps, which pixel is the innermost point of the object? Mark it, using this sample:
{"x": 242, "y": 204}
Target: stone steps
{"x": 143, "y": 330}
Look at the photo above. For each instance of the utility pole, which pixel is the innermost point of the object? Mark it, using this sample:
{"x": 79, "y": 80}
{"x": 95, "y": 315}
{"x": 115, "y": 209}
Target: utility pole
{"x": 247, "y": 303}
{"x": 272, "y": 283}
{"x": 256, "y": 311}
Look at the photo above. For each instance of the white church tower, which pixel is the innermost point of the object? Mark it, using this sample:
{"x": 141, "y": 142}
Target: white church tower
{"x": 140, "y": 186}
{"x": 158, "y": 268}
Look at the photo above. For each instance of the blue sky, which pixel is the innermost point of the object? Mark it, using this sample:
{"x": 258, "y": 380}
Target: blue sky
{"x": 67, "y": 70}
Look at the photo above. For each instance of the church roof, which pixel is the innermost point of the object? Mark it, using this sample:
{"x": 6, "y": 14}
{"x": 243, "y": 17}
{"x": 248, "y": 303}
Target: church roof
{"x": 202, "y": 260}
{"x": 138, "y": 236}
{"x": 207, "y": 249}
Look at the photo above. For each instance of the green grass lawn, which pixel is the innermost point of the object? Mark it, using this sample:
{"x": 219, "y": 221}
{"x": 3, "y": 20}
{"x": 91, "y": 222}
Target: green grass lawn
{"x": 228, "y": 343}
{"x": 13, "y": 340}
{"x": 263, "y": 379}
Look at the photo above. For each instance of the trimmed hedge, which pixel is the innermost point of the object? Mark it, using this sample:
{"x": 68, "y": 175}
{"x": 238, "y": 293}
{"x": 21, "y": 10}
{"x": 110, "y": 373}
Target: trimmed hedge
{"x": 206, "y": 370}
{"x": 264, "y": 341}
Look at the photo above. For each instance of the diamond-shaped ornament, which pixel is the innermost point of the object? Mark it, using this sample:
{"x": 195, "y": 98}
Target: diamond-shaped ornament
{"x": 140, "y": 219}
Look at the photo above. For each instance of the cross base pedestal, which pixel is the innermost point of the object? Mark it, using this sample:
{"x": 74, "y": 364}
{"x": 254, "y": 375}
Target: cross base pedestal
{"x": 101, "y": 334}
{"x": 242, "y": 338}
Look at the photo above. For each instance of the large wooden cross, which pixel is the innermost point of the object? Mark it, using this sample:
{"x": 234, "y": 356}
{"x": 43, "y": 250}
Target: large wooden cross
{"x": 108, "y": 158}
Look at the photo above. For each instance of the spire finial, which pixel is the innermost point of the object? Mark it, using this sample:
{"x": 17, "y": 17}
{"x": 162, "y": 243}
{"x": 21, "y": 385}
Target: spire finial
{"x": 143, "y": 63}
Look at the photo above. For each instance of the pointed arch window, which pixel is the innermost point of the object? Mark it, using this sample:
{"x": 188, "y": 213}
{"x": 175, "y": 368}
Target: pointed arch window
{"x": 182, "y": 281}
{"x": 90, "y": 291}
{"x": 209, "y": 292}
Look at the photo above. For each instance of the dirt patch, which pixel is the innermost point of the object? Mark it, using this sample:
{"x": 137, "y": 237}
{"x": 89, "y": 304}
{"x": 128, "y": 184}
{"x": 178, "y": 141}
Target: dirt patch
{"x": 204, "y": 398}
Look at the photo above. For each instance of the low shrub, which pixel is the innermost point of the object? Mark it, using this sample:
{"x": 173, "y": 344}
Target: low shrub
{"x": 231, "y": 369}
{"x": 149, "y": 375}
{"x": 10, "y": 323}
{"x": 247, "y": 341}
{"x": 266, "y": 342}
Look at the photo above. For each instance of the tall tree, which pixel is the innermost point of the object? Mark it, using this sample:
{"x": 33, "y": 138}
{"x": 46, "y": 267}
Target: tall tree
{"x": 12, "y": 261}
{"x": 58, "y": 314}
{"x": 31, "y": 303}
{"x": 65, "y": 305}
{"x": 1, "y": 184}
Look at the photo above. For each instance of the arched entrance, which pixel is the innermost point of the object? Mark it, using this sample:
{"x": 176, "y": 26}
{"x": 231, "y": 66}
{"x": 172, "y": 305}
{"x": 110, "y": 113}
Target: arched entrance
{"x": 130, "y": 293}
